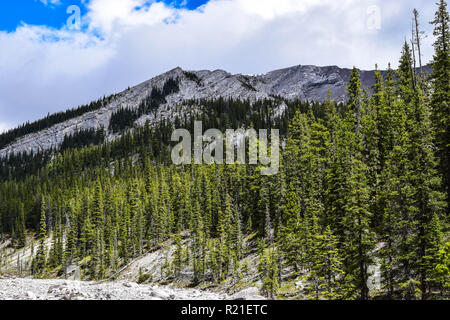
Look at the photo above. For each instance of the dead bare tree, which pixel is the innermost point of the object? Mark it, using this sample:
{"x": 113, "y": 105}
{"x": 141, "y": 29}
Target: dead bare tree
{"x": 419, "y": 36}
{"x": 413, "y": 52}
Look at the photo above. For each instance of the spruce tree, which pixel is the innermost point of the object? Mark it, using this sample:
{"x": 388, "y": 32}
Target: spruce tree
{"x": 442, "y": 271}
{"x": 429, "y": 200}
{"x": 270, "y": 272}
{"x": 198, "y": 243}
{"x": 440, "y": 100}
{"x": 20, "y": 227}
{"x": 359, "y": 238}
{"x": 290, "y": 242}
{"x": 40, "y": 260}
{"x": 325, "y": 278}
{"x": 177, "y": 262}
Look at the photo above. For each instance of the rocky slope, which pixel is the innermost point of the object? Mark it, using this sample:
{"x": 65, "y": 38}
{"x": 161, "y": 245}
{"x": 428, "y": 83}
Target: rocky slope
{"x": 299, "y": 82}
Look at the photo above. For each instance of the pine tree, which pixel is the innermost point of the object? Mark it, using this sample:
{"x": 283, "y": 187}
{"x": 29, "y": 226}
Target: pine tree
{"x": 71, "y": 238}
{"x": 337, "y": 181}
{"x": 124, "y": 233}
{"x": 268, "y": 268}
{"x": 20, "y": 227}
{"x": 198, "y": 243}
{"x": 137, "y": 219}
{"x": 359, "y": 238}
{"x": 325, "y": 278}
{"x": 355, "y": 98}
{"x": 40, "y": 260}
{"x": 432, "y": 253}
{"x": 372, "y": 146}
{"x": 290, "y": 242}
{"x": 236, "y": 234}
{"x": 440, "y": 100}
{"x": 177, "y": 255}
{"x": 427, "y": 184}
{"x": 398, "y": 225}
{"x": 442, "y": 271}
{"x": 98, "y": 207}
{"x": 405, "y": 83}
{"x": 224, "y": 224}
{"x": 56, "y": 252}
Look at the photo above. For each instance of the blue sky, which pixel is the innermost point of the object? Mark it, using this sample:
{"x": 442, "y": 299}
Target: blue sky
{"x": 47, "y": 65}
{"x": 39, "y": 12}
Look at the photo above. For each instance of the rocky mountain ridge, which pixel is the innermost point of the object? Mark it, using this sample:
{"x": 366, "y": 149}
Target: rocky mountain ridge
{"x": 310, "y": 83}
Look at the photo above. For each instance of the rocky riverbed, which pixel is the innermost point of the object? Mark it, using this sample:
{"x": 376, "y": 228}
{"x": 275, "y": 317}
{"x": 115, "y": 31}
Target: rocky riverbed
{"x": 34, "y": 289}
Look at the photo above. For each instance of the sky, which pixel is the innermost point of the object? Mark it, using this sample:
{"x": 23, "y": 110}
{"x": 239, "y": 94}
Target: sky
{"x": 58, "y": 54}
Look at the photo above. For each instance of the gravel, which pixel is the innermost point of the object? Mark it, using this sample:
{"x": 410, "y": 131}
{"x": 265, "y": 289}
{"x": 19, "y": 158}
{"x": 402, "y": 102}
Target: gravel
{"x": 34, "y": 289}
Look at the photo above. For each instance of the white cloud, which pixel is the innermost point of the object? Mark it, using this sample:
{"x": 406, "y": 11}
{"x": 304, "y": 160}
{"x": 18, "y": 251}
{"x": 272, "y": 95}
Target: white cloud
{"x": 269, "y": 9}
{"x": 46, "y": 70}
{"x": 112, "y": 16}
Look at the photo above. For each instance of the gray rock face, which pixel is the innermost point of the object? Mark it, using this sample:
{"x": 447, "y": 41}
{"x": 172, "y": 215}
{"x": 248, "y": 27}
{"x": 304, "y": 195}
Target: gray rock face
{"x": 301, "y": 82}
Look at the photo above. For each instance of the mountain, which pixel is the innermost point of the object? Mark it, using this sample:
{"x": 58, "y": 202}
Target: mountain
{"x": 306, "y": 83}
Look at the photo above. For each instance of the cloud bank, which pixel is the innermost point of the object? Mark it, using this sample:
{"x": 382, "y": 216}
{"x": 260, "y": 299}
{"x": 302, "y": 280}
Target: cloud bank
{"x": 124, "y": 42}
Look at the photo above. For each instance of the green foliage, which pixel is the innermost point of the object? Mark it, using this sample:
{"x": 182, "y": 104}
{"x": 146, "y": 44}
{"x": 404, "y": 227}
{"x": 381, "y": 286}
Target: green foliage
{"x": 83, "y": 138}
{"x": 440, "y": 98}
{"x": 269, "y": 272}
{"x": 144, "y": 277}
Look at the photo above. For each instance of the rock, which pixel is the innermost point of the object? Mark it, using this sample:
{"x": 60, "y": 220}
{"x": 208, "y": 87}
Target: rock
{"x": 158, "y": 295}
{"x": 31, "y": 296}
{"x": 67, "y": 291}
{"x": 130, "y": 284}
{"x": 251, "y": 293}
{"x": 54, "y": 289}
{"x": 73, "y": 294}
